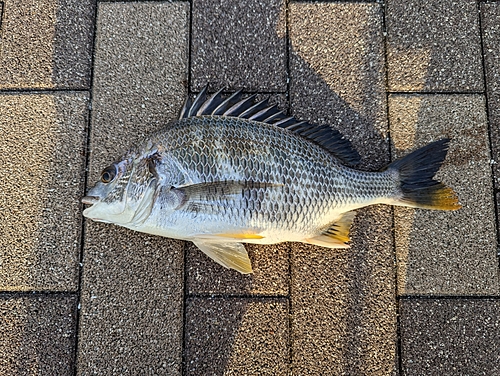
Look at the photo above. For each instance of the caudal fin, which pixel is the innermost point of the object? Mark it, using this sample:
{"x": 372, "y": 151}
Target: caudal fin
{"x": 416, "y": 173}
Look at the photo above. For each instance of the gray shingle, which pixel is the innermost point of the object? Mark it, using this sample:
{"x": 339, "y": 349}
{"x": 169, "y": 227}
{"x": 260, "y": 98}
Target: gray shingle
{"x": 37, "y": 334}
{"x": 343, "y": 307}
{"x": 46, "y": 44}
{"x": 433, "y": 45}
{"x": 250, "y": 53}
{"x": 450, "y": 336}
{"x": 42, "y": 162}
{"x": 439, "y": 252}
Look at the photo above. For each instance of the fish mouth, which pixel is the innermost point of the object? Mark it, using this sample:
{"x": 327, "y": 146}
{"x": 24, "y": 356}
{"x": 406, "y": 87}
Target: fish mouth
{"x": 90, "y": 200}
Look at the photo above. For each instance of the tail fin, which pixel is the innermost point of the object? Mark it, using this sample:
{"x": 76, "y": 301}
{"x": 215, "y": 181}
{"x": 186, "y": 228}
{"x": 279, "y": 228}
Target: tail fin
{"x": 416, "y": 172}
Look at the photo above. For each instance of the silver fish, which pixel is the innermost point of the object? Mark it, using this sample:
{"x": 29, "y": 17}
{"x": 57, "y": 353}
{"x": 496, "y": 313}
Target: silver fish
{"x": 232, "y": 171}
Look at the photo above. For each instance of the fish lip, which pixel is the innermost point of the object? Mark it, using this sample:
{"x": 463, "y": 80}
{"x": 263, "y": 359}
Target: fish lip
{"x": 90, "y": 200}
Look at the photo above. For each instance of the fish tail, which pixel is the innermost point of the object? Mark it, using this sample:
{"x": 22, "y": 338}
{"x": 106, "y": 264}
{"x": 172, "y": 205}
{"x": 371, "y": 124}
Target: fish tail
{"x": 416, "y": 171}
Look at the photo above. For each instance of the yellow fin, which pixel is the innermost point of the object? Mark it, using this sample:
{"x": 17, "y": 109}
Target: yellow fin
{"x": 438, "y": 197}
{"x": 335, "y": 235}
{"x": 230, "y": 255}
{"x": 326, "y": 241}
{"x": 243, "y": 235}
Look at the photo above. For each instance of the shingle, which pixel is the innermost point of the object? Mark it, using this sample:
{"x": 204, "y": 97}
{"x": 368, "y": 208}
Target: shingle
{"x": 433, "y": 46}
{"x": 46, "y": 44}
{"x": 270, "y": 276}
{"x": 37, "y": 334}
{"x": 443, "y": 252}
{"x": 337, "y": 72}
{"x": 42, "y": 162}
{"x": 250, "y": 53}
{"x": 131, "y": 303}
{"x": 342, "y": 301}
{"x": 132, "y": 284}
{"x": 234, "y": 336}
{"x": 269, "y": 262}
{"x": 140, "y": 70}
{"x": 450, "y": 336}
{"x": 490, "y": 13}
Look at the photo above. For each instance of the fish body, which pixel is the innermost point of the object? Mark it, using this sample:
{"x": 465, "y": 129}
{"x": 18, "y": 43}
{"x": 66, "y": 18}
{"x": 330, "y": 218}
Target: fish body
{"x": 223, "y": 174}
{"x": 286, "y": 188}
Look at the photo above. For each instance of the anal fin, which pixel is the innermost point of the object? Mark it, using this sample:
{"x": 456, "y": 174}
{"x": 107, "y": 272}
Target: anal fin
{"x": 231, "y": 255}
{"x": 335, "y": 235}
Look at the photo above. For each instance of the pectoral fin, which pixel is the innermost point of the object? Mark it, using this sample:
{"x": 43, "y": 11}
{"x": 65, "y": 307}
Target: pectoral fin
{"x": 198, "y": 197}
{"x": 230, "y": 255}
{"x": 335, "y": 235}
{"x": 212, "y": 190}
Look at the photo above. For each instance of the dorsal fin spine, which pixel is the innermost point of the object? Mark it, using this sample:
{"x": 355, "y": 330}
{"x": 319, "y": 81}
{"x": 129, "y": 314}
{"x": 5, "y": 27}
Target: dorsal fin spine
{"x": 185, "y": 108}
{"x": 285, "y": 122}
{"x": 255, "y": 108}
{"x": 273, "y": 117}
{"x": 262, "y": 114}
{"x": 211, "y": 103}
{"x": 298, "y": 126}
{"x": 240, "y": 107}
{"x": 198, "y": 101}
{"x": 228, "y": 102}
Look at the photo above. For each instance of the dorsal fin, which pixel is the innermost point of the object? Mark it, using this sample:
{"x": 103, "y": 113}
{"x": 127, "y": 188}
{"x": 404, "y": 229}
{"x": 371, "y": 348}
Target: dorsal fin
{"x": 185, "y": 108}
{"x": 240, "y": 107}
{"x": 247, "y": 108}
{"x": 330, "y": 139}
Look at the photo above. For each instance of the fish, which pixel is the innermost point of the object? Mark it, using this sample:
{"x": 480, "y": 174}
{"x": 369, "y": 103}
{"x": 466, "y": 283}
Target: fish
{"x": 232, "y": 170}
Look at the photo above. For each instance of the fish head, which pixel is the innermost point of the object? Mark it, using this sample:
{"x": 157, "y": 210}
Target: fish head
{"x": 126, "y": 191}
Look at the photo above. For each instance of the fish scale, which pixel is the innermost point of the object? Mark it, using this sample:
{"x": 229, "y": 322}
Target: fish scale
{"x": 218, "y": 178}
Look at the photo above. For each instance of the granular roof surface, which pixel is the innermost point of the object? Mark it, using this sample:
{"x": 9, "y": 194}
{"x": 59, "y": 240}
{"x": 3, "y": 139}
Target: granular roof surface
{"x": 416, "y": 294}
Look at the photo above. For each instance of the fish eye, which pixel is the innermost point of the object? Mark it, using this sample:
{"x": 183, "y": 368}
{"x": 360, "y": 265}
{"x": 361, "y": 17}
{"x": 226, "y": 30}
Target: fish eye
{"x": 108, "y": 174}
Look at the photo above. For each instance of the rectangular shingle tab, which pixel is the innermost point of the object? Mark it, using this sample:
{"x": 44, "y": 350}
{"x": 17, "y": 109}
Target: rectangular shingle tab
{"x": 37, "y": 334}
{"x": 269, "y": 277}
{"x": 450, "y": 336}
{"x": 140, "y": 70}
{"x": 337, "y": 73}
{"x": 236, "y": 336}
{"x": 131, "y": 303}
{"x": 251, "y": 54}
{"x": 46, "y": 44}
{"x": 132, "y": 284}
{"x": 42, "y": 163}
{"x": 440, "y": 252}
{"x": 342, "y": 301}
{"x": 433, "y": 45}
{"x": 490, "y": 13}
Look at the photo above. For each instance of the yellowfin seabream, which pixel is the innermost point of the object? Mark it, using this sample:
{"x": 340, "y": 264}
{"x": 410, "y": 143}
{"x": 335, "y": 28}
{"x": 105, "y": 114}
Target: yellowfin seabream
{"x": 232, "y": 171}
